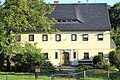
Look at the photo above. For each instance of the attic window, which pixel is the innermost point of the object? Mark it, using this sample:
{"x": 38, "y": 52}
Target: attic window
{"x": 67, "y": 20}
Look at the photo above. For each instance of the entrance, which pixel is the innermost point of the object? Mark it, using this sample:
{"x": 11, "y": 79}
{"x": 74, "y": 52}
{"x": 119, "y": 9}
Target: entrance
{"x": 65, "y": 58}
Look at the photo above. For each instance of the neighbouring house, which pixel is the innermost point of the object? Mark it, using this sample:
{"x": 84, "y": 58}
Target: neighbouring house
{"x": 84, "y": 33}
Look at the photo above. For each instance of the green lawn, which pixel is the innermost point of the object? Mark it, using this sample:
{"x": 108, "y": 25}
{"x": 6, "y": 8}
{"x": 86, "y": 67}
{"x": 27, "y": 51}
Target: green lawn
{"x": 31, "y": 76}
{"x": 21, "y": 76}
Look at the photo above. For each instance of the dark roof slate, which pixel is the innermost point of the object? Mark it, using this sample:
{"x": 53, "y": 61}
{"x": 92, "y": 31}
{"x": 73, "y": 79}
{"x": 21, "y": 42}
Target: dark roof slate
{"x": 92, "y": 17}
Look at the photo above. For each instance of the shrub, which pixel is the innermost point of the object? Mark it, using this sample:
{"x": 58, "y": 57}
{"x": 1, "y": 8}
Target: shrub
{"x": 98, "y": 61}
{"x": 84, "y": 67}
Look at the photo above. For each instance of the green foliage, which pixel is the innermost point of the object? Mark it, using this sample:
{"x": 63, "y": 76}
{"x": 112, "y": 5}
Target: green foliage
{"x": 17, "y": 16}
{"x": 114, "y": 57}
{"x": 84, "y": 67}
{"x": 27, "y": 14}
{"x": 115, "y": 22}
{"x": 98, "y": 61}
{"x": 47, "y": 67}
{"x": 28, "y": 58}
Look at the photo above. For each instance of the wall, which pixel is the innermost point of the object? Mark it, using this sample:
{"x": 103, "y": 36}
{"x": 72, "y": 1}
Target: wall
{"x": 93, "y": 46}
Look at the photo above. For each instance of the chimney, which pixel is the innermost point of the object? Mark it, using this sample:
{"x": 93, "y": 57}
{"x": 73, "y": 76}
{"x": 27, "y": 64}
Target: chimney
{"x": 56, "y": 1}
{"x": 78, "y": 2}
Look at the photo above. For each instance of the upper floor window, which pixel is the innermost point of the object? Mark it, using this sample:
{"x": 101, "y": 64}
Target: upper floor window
{"x": 44, "y": 37}
{"x": 56, "y": 55}
{"x": 31, "y": 37}
{"x": 58, "y": 37}
{"x": 86, "y": 55}
{"x": 73, "y": 37}
{"x": 100, "y": 37}
{"x": 18, "y": 38}
{"x": 85, "y": 37}
{"x": 74, "y": 55}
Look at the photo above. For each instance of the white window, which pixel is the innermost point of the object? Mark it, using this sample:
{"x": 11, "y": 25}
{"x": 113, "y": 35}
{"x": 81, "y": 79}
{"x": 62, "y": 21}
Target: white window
{"x": 85, "y": 37}
{"x": 73, "y": 37}
{"x": 100, "y": 37}
{"x": 45, "y": 37}
{"x": 58, "y": 37}
{"x": 31, "y": 37}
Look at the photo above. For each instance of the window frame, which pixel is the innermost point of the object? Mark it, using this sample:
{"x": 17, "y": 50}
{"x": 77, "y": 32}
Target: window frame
{"x": 100, "y": 53}
{"x": 98, "y": 37}
{"x": 58, "y": 37}
{"x": 46, "y": 56}
{"x": 56, "y": 55}
{"x": 43, "y": 37}
{"x": 31, "y": 37}
{"x": 74, "y": 55}
{"x": 73, "y": 37}
{"x": 86, "y": 53}
{"x": 18, "y": 38}
{"x": 85, "y": 38}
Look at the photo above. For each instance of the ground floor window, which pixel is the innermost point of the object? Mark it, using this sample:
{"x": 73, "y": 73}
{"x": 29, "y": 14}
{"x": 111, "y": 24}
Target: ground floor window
{"x": 100, "y": 53}
{"x": 46, "y": 55}
{"x": 56, "y": 55}
{"x": 86, "y": 55}
{"x": 74, "y": 55}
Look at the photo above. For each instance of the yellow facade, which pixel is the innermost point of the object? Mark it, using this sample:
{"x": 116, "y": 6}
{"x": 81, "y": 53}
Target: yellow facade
{"x": 76, "y": 49}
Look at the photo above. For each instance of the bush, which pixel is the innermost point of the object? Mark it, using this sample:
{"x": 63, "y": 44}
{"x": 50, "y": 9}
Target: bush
{"x": 84, "y": 67}
{"x": 47, "y": 67}
{"x": 98, "y": 61}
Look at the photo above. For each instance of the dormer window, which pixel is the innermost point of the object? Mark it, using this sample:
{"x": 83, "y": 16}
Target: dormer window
{"x": 66, "y": 20}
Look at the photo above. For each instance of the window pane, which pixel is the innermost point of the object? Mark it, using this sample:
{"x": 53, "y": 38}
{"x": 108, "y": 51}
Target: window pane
{"x": 45, "y": 37}
{"x": 56, "y": 55}
{"x": 31, "y": 37}
{"x": 18, "y": 38}
{"x": 74, "y": 55}
{"x": 58, "y": 37}
{"x": 86, "y": 55}
{"x": 46, "y": 55}
{"x": 85, "y": 37}
{"x": 100, "y": 37}
{"x": 73, "y": 37}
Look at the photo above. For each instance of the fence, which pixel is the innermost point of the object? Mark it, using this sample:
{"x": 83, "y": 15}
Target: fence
{"x": 94, "y": 74}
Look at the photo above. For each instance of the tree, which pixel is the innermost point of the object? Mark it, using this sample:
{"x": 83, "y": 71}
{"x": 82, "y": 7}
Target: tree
{"x": 115, "y": 22}
{"x": 114, "y": 58}
{"x": 98, "y": 61}
{"x": 21, "y": 15}
{"x": 28, "y": 58}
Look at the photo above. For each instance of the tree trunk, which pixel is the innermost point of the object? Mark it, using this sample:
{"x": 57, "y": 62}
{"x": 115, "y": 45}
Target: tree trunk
{"x": 8, "y": 63}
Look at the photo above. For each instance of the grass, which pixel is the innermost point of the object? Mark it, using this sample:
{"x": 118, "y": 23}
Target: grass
{"x": 31, "y": 76}
{"x": 21, "y": 76}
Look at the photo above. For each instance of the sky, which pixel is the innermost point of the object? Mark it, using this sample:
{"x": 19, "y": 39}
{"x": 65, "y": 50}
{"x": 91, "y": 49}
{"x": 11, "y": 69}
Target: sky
{"x": 109, "y": 2}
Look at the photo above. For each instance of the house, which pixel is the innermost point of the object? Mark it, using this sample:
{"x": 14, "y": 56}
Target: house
{"x": 84, "y": 33}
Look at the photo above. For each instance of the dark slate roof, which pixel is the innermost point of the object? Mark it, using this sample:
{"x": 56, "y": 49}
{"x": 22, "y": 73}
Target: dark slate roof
{"x": 91, "y": 17}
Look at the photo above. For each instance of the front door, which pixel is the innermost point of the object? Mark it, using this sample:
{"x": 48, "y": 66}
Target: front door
{"x": 65, "y": 58}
